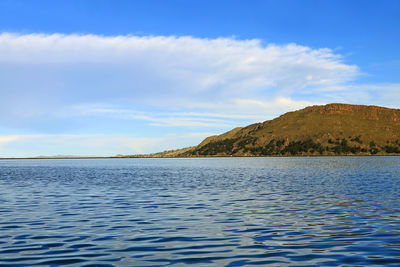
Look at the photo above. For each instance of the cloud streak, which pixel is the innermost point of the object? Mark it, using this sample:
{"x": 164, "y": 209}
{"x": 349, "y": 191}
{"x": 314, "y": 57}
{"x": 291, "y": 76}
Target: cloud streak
{"x": 242, "y": 112}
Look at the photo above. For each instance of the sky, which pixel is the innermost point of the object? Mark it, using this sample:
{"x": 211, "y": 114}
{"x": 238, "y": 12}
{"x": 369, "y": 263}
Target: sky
{"x": 100, "y": 78}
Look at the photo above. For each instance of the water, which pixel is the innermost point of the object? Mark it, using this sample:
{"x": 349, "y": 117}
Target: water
{"x": 215, "y": 212}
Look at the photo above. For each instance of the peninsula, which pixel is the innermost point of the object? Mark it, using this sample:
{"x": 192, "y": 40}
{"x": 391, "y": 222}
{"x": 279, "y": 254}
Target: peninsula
{"x": 333, "y": 129}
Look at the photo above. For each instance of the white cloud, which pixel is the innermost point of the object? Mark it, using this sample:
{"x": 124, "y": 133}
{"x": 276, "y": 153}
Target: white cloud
{"x": 123, "y": 68}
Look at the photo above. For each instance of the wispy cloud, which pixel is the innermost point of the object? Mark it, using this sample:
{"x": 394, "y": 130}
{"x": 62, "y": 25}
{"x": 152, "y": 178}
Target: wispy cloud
{"x": 242, "y": 112}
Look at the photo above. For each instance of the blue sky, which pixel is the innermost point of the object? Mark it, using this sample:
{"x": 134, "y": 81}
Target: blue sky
{"x": 128, "y": 77}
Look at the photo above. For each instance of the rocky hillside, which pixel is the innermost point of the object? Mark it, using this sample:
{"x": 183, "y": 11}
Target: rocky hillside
{"x": 333, "y": 129}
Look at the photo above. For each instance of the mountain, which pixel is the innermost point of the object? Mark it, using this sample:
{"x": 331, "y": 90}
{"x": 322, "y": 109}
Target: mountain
{"x": 333, "y": 129}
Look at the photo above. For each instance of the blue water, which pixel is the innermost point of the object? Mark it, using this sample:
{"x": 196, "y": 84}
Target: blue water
{"x": 325, "y": 211}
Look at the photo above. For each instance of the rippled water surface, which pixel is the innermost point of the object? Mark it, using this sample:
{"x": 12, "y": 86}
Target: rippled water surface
{"x": 216, "y": 212}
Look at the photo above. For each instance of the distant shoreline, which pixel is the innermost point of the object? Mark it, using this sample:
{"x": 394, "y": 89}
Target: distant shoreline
{"x": 146, "y": 157}
{"x": 62, "y": 158}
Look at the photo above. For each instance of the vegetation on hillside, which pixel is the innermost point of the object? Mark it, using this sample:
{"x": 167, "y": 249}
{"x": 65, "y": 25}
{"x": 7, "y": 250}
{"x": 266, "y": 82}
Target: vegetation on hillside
{"x": 247, "y": 147}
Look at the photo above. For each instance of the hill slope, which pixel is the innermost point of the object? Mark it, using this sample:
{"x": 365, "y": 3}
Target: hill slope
{"x": 333, "y": 129}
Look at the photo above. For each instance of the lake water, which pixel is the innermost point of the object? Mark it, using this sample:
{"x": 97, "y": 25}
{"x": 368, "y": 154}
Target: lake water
{"x": 325, "y": 211}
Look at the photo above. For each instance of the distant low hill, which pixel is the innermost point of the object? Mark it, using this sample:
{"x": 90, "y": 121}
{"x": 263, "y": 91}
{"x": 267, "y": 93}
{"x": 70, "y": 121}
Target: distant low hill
{"x": 333, "y": 129}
